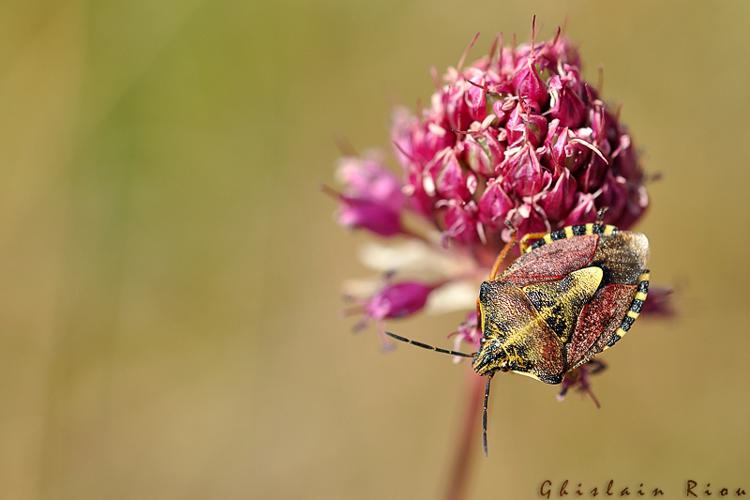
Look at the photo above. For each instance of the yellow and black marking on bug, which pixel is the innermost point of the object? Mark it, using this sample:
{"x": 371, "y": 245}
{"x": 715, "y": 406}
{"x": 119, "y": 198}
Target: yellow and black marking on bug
{"x": 570, "y": 295}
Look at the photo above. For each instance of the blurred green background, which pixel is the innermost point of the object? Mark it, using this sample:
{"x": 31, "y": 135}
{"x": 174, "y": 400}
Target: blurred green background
{"x": 171, "y": 323}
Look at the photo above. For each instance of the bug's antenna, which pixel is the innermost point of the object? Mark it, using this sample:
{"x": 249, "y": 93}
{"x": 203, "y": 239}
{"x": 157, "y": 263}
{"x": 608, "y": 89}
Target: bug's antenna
{"x": 484, "y": 414}
{"x": 427, "y": 346}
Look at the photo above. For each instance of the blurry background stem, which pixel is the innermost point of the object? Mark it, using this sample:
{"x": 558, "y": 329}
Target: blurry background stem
{"x": 469, "y": 437}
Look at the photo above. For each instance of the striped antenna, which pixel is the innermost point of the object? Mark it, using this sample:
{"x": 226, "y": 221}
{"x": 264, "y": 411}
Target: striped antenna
{"x": 427, "y": 346}
{"x": 484, "y": 415}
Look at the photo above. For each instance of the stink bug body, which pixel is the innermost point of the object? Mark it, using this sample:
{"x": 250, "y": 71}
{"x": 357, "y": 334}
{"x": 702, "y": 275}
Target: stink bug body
{"x": 570, "y": 295}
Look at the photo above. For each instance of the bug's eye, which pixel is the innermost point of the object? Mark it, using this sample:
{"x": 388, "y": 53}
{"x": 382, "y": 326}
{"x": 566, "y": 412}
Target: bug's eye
{"x": 493, "y": 346}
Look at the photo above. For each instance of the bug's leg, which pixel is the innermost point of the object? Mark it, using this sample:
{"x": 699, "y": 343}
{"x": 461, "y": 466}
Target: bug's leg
{"x": 590, "y": 368}
{"x": 524, "y": 244}
{"x": 600, "y": 215}
{"x": 501, "y": 257}
{"x": 593, "y": 397}
{"x": 596, "y": 366}
{"x": 563, "y": 390}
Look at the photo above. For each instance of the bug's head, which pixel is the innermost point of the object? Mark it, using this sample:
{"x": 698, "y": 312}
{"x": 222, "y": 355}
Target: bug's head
{"x": 490, "y": 357}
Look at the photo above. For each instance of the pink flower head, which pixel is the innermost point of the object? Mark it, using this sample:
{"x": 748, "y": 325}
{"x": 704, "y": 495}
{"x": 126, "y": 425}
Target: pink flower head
{"x": 545, "y": 123}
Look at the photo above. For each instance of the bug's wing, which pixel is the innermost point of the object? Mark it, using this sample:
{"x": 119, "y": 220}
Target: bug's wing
{"x": 599, "y": 319}
{"x": 624, "y": 255}
{"x": 552, "y": 261}
{"x": 606, "y": 319}
{"x": 533, "y": 348}
{"x": 560, "y": 302}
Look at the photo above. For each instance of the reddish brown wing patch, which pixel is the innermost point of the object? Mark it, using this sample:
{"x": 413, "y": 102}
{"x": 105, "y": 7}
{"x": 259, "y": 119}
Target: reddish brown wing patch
{"x": 597, "y": 322}
{"x": 552, "y": 261}
{"x": 545, "y": 354}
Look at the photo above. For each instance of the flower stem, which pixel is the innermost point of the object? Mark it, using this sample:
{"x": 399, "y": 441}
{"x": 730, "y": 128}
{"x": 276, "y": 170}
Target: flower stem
{"x": 469, "y": 436}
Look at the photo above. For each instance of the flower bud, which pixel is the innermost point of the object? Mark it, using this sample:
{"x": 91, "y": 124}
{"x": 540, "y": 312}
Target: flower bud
{"x": 559, "y": 199}
{"x": 529, "y": 126}
{"x": 565, "y": 104}
{"x": 476, "y": 98}
{"x": 637, "y": 202}
{"x": 367, "y": 178}
{"x": 418, "y": 143}
{"x": 565, "y": 151}
{"x": 528, "y": 84}
{"x": 398, "y": 300}
{"x": 524, "y": 172}
{"x": 502, "y": 108}
{"x": 527, "y": 219}
{"x": 584, "y": 211}
{"x": 625, "y": 162}
{"x": 456, "y": 110}
{"x": 591, "y": 177}
{"x": 420, "y": 200}
{"x": 451, "y": 182}
{"x": 461, "y": 223}
{"x": 614, "y": 197}
{"x": 372, "y": 198}
{"x": 468, "y": 331}
{"x": 483, "y": 153}
{"x": 494, "y": 205}
{"x": 373, "y": 216}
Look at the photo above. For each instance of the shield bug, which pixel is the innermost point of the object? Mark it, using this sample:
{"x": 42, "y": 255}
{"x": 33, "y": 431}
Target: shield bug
{"x": 570, "y": 295}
